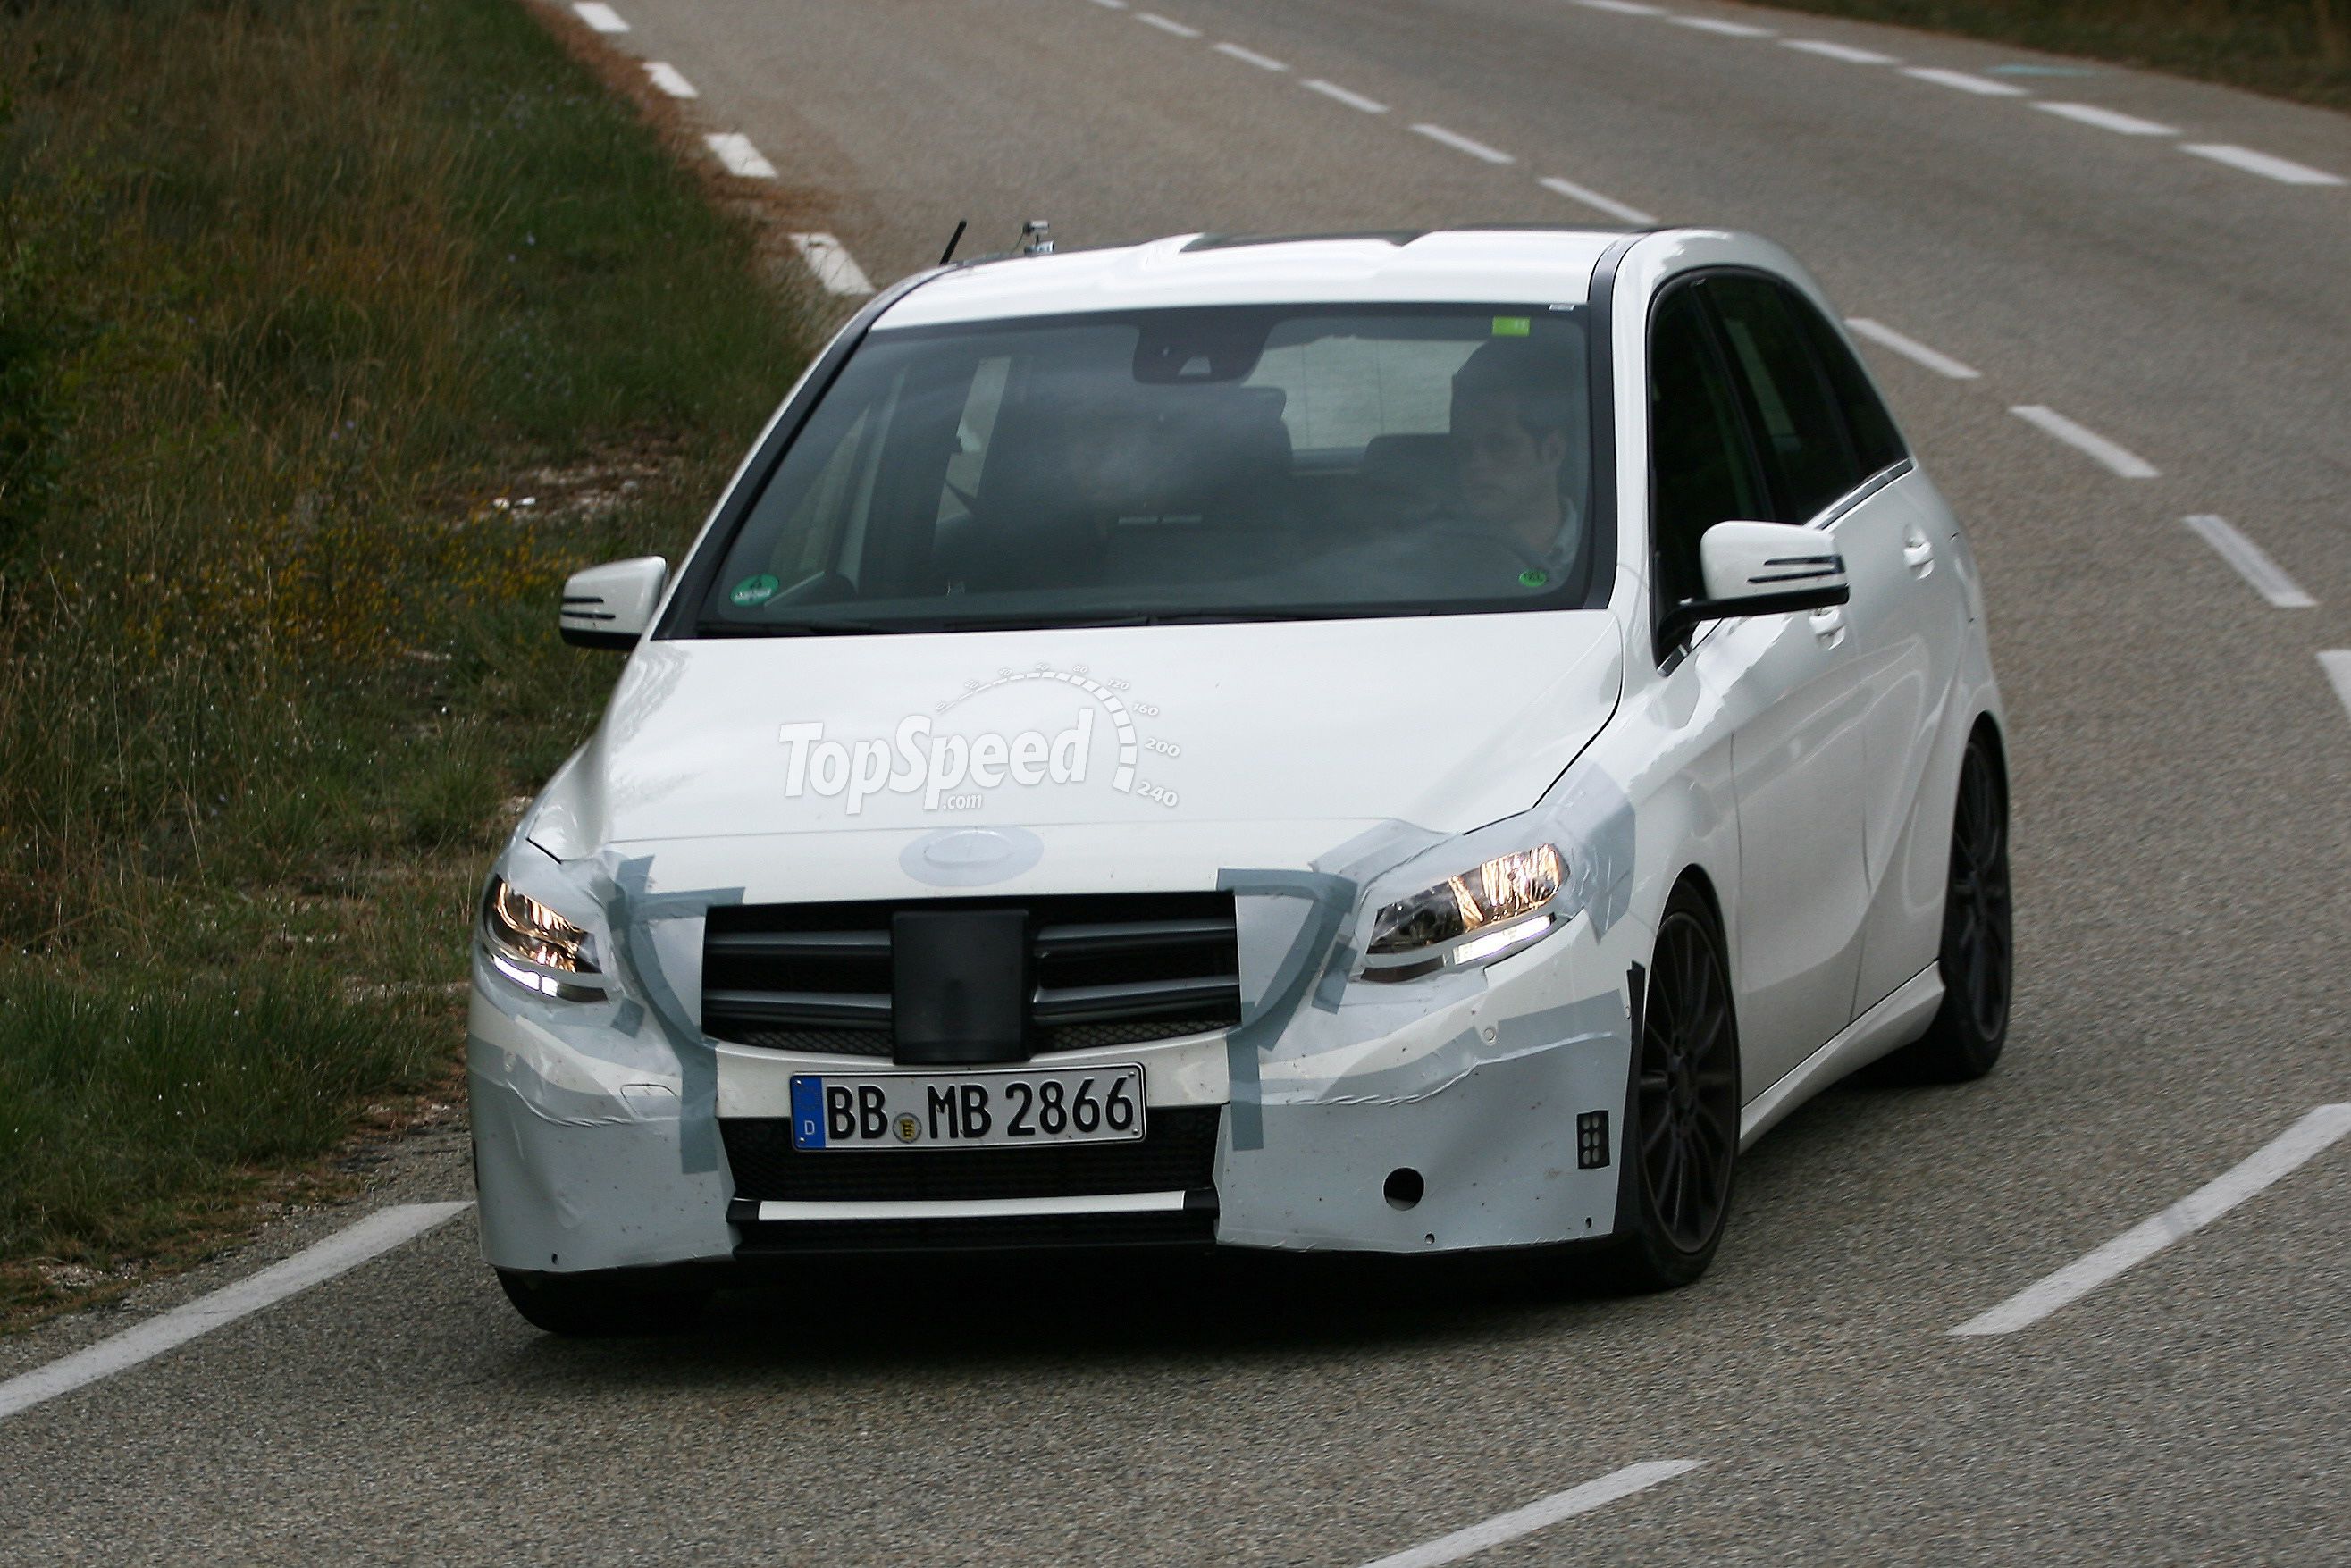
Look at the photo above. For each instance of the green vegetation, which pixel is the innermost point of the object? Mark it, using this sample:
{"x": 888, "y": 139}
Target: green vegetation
{"x": 2288, "y": 48}
{"x": 290, "y": 291}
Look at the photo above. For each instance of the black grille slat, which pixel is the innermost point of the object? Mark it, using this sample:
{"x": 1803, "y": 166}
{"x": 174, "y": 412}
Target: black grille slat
{"x": 801, "y": 1237}
{"x": 1177, "y": 1154}
{"x": 1137, "y": 999}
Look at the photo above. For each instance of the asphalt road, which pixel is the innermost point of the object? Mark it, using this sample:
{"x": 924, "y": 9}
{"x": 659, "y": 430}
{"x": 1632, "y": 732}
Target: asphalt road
{"x": 2181, "y": 761}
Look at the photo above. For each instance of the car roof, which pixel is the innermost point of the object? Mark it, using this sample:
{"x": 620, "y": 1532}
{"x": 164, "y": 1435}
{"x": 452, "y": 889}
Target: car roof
{"x": 1525, "y": 265}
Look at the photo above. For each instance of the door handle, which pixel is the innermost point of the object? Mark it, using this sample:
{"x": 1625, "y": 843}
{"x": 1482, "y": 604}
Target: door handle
{"x": 1828, "y": 625}
{"x": 1918, "y": 552}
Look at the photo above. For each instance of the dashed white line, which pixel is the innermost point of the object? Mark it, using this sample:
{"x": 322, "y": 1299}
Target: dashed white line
{"x": 742, "y": 158}
{"x": 2109, "y": 120}
{"x": 1983, "y": 87}
{"x": 1538, "y": 1515}
{"x": 1594, "y": 200}
{"x": 670, "y": 80}
{"x": 1338, "y": 94}
{"x": 2337, "y": 663}
{"x": 2298, "y": 1145}
{"x": 1910, "y": 349}
{"x": 348, "y": 1249}
{"x": 2283, "y": 169}
{"x": 1461, "y": 143}
{"x": 1167, "y": 23}
{"x": 2252, "y": 562}
{"x": 2119, "y": 459}
{"x": 600, "y": 16}
{"x": 1623, "y": 7}
{"x": 833, "y": 265}
{"x": 1111, "y": 4}
{"x": 1727, "y": 29}
{"x": 1251, "y": 58}
{"x": 1844, "y": 52}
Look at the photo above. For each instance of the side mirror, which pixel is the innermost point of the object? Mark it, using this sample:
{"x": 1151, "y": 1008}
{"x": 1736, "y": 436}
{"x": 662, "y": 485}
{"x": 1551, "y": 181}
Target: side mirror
{"x": 1758, "y": 569}
{"x": 611, "y": 606}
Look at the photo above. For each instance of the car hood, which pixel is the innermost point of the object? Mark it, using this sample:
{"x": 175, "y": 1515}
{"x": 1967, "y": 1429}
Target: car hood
{"x": 1293, "y": 728}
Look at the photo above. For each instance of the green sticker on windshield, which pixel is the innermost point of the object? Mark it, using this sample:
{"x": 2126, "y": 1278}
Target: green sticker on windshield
{"x": 1513, "y": 325}
{"x": 754, "y": 590}
{"x": 1534, "y": 577}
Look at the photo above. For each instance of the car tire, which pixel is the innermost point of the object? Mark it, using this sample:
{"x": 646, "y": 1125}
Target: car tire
{"x": 1680, "y": 1147}
{"x": 1976, "y": 956}
{"x": 591, "y": 1306}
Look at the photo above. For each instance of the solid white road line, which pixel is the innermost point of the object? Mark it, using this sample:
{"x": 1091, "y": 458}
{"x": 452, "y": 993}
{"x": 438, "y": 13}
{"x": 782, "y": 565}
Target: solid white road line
{"x": 1461, "y": 143}
{"x": 1593, "y": 199}
{"x": 2299, "y": 1143}
{"x": 348, "y": 1249}
{"x": 833, "y": 265}
{"x": 1623, "y": 7}
{"x": 2284, "y": 171}
{"x": 2120, "y": 459}
{"x": 1728, "y": 30}
{"x": 667, "y": 78}
{"x": 1251, "y": 58}
{"x": 2108, "y": 120}
{"x": 2253, "y": 562}
{"x": 1844, "y": 52}
{"x": 1538, "y": 1515}
{"x": 1338, "y": 94}
{"x": 1914, "y": 351}
{"x": 600, "y": 16}
{"x": 2337, "y": 663}
{"x": 1167, "y": 23}
{"x": 734, "y": 151}
{"x": 1983, "y": 87}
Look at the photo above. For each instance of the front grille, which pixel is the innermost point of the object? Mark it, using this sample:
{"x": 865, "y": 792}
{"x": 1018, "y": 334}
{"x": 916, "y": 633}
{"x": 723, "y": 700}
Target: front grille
{"x": 1178, "y": 1153}
{"x": 1109, "y": 969}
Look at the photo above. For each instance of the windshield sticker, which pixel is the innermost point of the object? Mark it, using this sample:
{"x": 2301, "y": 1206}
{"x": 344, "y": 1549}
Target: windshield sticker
{"x": 1039, "y": 728}
{"x": 1533, "y": 577}
{"x": 754, "y": 590}
{"x": 1513, "y": 326}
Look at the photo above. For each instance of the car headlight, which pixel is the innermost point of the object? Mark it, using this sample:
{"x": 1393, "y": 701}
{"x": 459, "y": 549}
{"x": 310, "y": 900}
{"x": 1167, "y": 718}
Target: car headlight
{"x": 1473, "y": 918}
{"x": 534, "y": 946}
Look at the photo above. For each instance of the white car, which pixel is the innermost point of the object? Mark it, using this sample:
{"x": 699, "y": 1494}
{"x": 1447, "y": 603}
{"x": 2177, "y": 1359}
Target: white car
{"x": 1403, "y": 742}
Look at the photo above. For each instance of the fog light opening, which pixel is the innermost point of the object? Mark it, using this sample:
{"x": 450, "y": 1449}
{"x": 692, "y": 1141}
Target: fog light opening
{"x": 1403, "y": 1187}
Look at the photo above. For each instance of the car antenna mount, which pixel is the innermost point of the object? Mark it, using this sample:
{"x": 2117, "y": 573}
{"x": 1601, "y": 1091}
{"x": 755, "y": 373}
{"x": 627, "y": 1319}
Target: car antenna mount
{"x": 1034, "y": 239}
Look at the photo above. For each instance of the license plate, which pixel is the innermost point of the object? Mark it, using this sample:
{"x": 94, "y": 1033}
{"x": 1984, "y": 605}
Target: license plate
{"x": 967, "y": 1110}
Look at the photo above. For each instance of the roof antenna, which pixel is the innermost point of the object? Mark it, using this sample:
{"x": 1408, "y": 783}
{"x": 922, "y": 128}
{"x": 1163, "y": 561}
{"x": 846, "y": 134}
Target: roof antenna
{"x": 954, "y": 240}
{"x": 1034, "y": 240}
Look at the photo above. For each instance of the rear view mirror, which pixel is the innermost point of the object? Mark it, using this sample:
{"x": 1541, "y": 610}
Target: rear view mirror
{"x": 611, "y": 606}
{"x": 1759, "y": 569}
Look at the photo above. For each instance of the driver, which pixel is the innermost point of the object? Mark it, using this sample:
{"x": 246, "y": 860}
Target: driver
{"x": 1517, "y": 413}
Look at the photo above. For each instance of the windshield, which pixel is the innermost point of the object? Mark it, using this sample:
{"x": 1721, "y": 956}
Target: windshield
{"x": 1197, "y": 465}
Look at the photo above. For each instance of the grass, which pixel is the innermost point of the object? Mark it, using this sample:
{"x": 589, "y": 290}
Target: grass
{"x": 2288, "y": 48}
{"x": 292, "y": 294}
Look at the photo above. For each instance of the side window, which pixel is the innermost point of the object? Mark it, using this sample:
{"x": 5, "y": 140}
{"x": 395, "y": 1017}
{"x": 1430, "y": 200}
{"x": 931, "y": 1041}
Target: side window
{"x": 1800, "y": 431}
{"x": 1701, "y": 466}
{"x": 1876, "y": 440}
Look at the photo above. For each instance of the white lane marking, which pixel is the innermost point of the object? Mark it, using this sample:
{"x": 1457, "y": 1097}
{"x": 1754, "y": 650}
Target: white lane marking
{"x": 1914, "y": 351}
{"x": 600, "y": 16}
{"x": 1983, "y": 87}
{"x": 1111, "y": 4}
{"x": 1251, "y": 58}
{"x": 2299, "y": 1143}
{"x": 833, "y": 265}
{"x": 1728, "y": 30}
{"x": 1461, "y": 143}
{"x": 2253, "y": 563}
{"x": 1593, "y": 199}
{"x": 348, "y": 1249}
{"x": 1623, "y": 7}
{"x": 1338, "y": 94}
{"x": 670, "y": 80}
{"x": 1844, "y": 52}
{"x": 1165, "y": 24}
{"x": 734, "y": 151}
{"x": 2337, "y": 663}
{"x": 2283, "y": 169}
{"x": 1538, "y": 1515}
{"x": 2120, "y": 459}
{"x": 2109, "y": 120}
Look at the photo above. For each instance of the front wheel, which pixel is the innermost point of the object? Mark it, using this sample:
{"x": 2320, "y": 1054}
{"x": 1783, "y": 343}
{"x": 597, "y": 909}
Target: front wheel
{"x": 1975, "y": 959}
{"x": 589, "y": 1306}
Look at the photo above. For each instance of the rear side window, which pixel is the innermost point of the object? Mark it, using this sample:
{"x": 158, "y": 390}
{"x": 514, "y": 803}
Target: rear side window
{"x": 1703, "y": 470}
{"x": 1798, "y": 422}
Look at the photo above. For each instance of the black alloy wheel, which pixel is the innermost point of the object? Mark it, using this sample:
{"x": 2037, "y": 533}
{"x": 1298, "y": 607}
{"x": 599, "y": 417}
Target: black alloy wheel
{"x": 1977, "y": 957}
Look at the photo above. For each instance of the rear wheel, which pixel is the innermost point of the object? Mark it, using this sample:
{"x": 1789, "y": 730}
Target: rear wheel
{"x": 593, "y": 1307}
{"x": 1681, "y": 1141}
{"x": 1971, "y": 1025}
